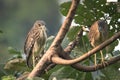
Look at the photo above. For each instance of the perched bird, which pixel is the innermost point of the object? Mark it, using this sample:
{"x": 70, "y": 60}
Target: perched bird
{"x": 34, "y": 44}
{"x": 98, "y": 33}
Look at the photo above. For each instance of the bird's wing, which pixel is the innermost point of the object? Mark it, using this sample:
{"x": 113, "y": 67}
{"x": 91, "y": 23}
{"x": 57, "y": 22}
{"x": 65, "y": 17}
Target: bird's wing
{"x": 94, "y": 32}
{"x": 28, "y": 47}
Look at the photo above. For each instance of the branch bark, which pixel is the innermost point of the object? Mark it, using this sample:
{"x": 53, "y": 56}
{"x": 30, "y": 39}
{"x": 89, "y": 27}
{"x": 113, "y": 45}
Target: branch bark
{"x": 65, "y": 26}
{"x": 59, "y": 60}
{"x": 98, "y": 67}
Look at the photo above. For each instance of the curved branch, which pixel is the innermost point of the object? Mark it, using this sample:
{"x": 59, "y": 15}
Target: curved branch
{"x": 59, "y": 60}
{"x": 89, "y": 68}
{"x": 94, "y": 68}
{"x": 98, "y": 67}
{"x": 68, "y": 49}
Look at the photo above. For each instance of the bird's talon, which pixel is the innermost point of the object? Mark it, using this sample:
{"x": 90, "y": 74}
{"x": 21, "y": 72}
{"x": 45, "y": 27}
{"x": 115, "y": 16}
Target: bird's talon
{"x": 96, "y": 67}
{"x": 104, "y": 63}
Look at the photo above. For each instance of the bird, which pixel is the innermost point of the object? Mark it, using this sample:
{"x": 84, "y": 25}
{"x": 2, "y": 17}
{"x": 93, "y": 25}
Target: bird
{"x": 34, "y": 43}
{"x": 98, "y": 33}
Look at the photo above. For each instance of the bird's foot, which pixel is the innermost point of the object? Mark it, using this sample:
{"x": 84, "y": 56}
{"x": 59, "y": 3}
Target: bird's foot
{"x": 104, "y": 63}
{"x": 96, "y": 66}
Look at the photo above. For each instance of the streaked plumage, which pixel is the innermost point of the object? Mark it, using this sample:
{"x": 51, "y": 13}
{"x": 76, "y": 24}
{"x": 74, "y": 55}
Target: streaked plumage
{"x": 34, "y": 44}
{"x": 98, "y": 33}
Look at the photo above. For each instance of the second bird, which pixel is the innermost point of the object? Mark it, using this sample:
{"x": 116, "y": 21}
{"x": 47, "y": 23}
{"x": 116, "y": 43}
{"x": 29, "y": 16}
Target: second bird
{"x": 98, "y": 33}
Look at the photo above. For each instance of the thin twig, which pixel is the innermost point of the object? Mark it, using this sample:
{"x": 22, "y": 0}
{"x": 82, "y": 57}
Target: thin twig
{"x": 72, "y": 44}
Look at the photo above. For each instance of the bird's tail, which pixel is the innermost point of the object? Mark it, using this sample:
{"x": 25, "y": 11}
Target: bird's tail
{"x": 29, "y": 58}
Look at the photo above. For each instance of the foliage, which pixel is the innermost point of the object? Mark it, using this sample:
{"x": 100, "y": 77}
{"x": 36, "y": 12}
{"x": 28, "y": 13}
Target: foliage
{"x": 88, "y": 11}
{"x": 16, "y": 53}
{"x": 10, "y": 77}
{"x": 68, "y": 73}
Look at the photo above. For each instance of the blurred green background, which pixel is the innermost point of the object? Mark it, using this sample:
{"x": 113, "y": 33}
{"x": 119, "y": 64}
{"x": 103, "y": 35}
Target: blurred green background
{"x": 18, "y": 16}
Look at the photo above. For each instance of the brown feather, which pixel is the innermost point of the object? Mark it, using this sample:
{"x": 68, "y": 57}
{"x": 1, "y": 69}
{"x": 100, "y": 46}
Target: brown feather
{"x": 35, "y": 40}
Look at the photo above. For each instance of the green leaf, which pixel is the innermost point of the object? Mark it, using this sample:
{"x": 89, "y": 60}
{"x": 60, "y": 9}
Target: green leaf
{"x": 111, "y": 47}
{"x": 65, "y": 42}
{"x": 68, "y": 73}
{"x": 97, "y": 75}
{"x": 17, "y": 64}
{"x": 16, "y": 53}
{"x": 72, "y": 33}
{"x": 9, "y": 77}
{"x": 13, "y": 51}
{"x": 116, "y": 53}
{"x": 48, "y": 42}
{"x": 112, "y": 72}
{"x": 64, "y": 8}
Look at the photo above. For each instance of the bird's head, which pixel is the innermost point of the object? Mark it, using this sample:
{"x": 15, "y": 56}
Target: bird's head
{"x": 41, "y": 24}
{"x": 102, "y": 26}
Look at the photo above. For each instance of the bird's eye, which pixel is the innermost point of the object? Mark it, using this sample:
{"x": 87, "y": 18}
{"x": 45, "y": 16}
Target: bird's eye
{"x": 39, "y": 24}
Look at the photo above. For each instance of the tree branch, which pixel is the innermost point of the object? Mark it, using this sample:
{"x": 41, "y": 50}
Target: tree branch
{"x": 65, "y": 26}
{"x": 55, "y": 46}
{"x": 72, "y": 44}
{"x": 94, "y": 68}
{"x": 59, "y": 60}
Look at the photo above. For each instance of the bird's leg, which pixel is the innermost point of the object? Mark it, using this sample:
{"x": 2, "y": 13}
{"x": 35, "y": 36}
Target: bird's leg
{"x": 33, "y": 59}
{"x": 41, "y": 52}
{"x": 102, "y": 59}
{"x": 95, "y": 60}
